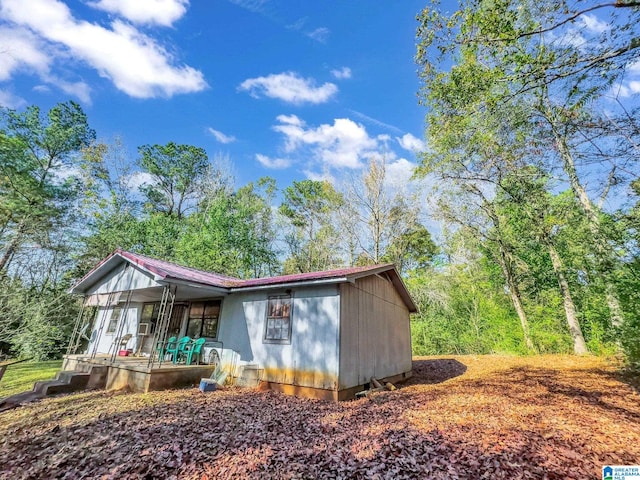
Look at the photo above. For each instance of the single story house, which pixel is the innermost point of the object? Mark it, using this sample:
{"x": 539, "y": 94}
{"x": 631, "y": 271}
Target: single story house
{"x": 319, "y": 334}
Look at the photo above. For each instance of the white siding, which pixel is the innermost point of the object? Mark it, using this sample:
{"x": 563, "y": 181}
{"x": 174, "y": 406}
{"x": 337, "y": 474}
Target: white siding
{"x": 130, "y": 316}
{"x": 311, "y": 359}
{"x": 375, "y": 334}
{"x": 116, "y": 281}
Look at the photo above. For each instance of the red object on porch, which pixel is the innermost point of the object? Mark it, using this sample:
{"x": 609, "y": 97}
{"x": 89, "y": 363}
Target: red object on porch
{"x": 124, "y": 353}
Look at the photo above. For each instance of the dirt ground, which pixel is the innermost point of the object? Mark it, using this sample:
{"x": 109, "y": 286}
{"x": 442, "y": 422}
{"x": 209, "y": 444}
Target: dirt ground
{"x": 471, "y": 417}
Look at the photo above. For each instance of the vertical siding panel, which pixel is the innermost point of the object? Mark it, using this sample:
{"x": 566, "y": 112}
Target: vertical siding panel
{"x": 374, "y": 332}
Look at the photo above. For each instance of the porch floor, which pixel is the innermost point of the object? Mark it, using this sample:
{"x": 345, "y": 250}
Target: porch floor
{"x": 135, "y": 374}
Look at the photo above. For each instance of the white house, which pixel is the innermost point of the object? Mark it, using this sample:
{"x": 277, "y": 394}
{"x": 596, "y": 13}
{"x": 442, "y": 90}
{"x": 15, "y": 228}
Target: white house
{"x": 319, "y": 334}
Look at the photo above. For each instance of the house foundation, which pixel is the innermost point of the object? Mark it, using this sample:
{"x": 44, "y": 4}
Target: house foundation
{"x": 134, "y": 373}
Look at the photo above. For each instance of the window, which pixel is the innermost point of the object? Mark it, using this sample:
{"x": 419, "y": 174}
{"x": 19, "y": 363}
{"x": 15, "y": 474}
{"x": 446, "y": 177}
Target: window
{"x": 149, "y": 315}
{"x": 203, "y": 319}
{"x": 113, "y": 320}
{"x": 278, "y": 326}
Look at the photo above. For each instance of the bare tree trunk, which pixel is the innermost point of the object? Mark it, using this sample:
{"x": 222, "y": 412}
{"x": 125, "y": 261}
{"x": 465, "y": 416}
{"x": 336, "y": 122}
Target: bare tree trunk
{"x": 602, "y": 250}
{"x": 516, "y": 297}
{"x": 579, "y": 346}
{"x": 12, "y": 247}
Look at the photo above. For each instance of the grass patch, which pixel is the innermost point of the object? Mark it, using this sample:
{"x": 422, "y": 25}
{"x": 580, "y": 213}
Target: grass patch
{"x": 20, "y": 377}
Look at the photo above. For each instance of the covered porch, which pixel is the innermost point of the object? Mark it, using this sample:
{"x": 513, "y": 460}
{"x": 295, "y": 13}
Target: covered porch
{"x": 129, "y": 311}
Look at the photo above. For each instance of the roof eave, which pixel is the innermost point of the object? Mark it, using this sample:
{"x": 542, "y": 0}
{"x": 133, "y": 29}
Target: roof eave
{"x": 299, "y": 283}
{"x": 397, "y": 281}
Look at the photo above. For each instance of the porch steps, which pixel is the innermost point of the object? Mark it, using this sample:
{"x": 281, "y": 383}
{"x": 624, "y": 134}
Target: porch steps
{"x": 65, "y": 382}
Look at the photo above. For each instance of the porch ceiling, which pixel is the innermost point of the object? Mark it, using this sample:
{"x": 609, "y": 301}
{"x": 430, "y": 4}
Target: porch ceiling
{"x": 184, "y": 293}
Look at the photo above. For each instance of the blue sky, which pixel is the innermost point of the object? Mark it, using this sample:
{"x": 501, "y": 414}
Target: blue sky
{"x": 288, "y": 89}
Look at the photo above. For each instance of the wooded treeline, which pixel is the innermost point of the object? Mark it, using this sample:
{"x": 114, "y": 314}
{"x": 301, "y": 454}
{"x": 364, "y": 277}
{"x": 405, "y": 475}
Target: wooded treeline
{"x": 67, "y": 201}
{"x": 532, "y": 155}
{"x": 533, "y": 138}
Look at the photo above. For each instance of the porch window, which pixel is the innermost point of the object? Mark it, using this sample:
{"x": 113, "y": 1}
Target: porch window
{"x": 149, "y": 315}
{"x": 204, "y": 319}
{"x": 113, "y": 320}
{"x": 278, "y": 325}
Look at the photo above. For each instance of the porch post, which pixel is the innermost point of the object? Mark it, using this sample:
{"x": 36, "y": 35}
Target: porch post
{"x": 164, "y": 318}
{"x": 96, "y": 342}
{"x": 123, "y": 320}
{"x": 74, "y": 341}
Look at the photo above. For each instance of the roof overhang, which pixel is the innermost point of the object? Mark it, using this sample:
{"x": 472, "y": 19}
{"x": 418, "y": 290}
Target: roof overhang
{"x": 396, "y": 280}
{"x": 281, "y": 285}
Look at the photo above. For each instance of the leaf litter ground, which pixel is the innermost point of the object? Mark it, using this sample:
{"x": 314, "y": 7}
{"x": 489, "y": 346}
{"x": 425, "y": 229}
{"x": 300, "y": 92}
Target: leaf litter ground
{"x": 467, "y": 417}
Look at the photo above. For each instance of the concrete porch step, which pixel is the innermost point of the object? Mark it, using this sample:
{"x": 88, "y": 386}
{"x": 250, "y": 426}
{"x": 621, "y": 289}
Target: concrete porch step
{"x": 65, "y": 382}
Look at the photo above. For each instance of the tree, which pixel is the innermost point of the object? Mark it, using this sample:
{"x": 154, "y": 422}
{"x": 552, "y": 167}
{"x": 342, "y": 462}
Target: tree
{"x": 536, "y": 218}
{"x": 176, "y": 171}
{"x": 37, "y": 153}
{"x": 376, "y": 216}
{"x": 310, "y": 206}
{"x": 110, "y": 207}
{"x": 517, "y": 56}
{"x": 232, "y": 232}
{"x": 412, "y": 250}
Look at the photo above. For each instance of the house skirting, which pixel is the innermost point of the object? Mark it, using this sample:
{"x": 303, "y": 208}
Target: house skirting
{"x": 331, "y": 395}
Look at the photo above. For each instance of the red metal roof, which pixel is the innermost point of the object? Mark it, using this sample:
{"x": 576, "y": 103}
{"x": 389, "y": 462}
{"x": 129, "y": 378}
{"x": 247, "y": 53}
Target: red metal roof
{"x": 310, "y": 276}
{"x": 171, "y": 271}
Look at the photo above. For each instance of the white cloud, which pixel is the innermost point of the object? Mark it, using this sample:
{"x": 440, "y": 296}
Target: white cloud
{"x": 399, "y": 172}
{"x": 342, "y": 73}
{"x": 135, "y": 63}
{"x": 42, "y": 88}
{"x": 298, "y": 24}
{"x": 375, "y": 121}
{"x": 21, "y": 50}
{"x": 411, "y": 143}
{"x": 10, "y": 100}
{"x": 594, "y": 24}
{"x": 634, "y": 67}
{"x": 221, "y": 137}
{"x": 320, "y": 177}
{"x": 154, "y": 12}
{"x": 290, "y": 120}
{"x": 79, "y": 89}
{"x": 273, "y": 163}
{"x": 289, "y": 87}
{"x": 625, "y": 90}
{"x": 319, "y": 34}
{"x": 255, "y": 6}
{"x": 138, "y": 179}
{"x": 342, "y": 145}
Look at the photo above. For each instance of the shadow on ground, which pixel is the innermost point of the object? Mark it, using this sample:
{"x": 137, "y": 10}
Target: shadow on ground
{"x": 427, "y": 372}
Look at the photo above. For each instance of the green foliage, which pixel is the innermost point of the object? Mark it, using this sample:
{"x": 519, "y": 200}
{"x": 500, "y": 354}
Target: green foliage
{"x": 35, "y": 153}
{"x": 177, "y": 171}
{"x": 462, "y": 311}
{"x": 310, "y": 207}
{"x": 35, "y": 323}
{"x": 232, "y": 233}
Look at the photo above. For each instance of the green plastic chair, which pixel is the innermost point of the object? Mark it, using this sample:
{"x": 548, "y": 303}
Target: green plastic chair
{"x": 162, "y": 350}
{"x": 181, "y": 348}
{"x": 195, "y": 349}
{"x": 169, "y": 349}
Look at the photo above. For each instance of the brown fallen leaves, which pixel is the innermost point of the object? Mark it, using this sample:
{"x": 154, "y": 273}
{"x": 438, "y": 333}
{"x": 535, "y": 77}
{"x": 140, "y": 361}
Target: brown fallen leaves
{"x": 464, "y": 417}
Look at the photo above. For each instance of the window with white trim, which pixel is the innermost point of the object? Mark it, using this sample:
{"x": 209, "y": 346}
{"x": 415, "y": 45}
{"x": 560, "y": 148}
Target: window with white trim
{"x": 113, "y": 320}
{"x": 278, "y": 323}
